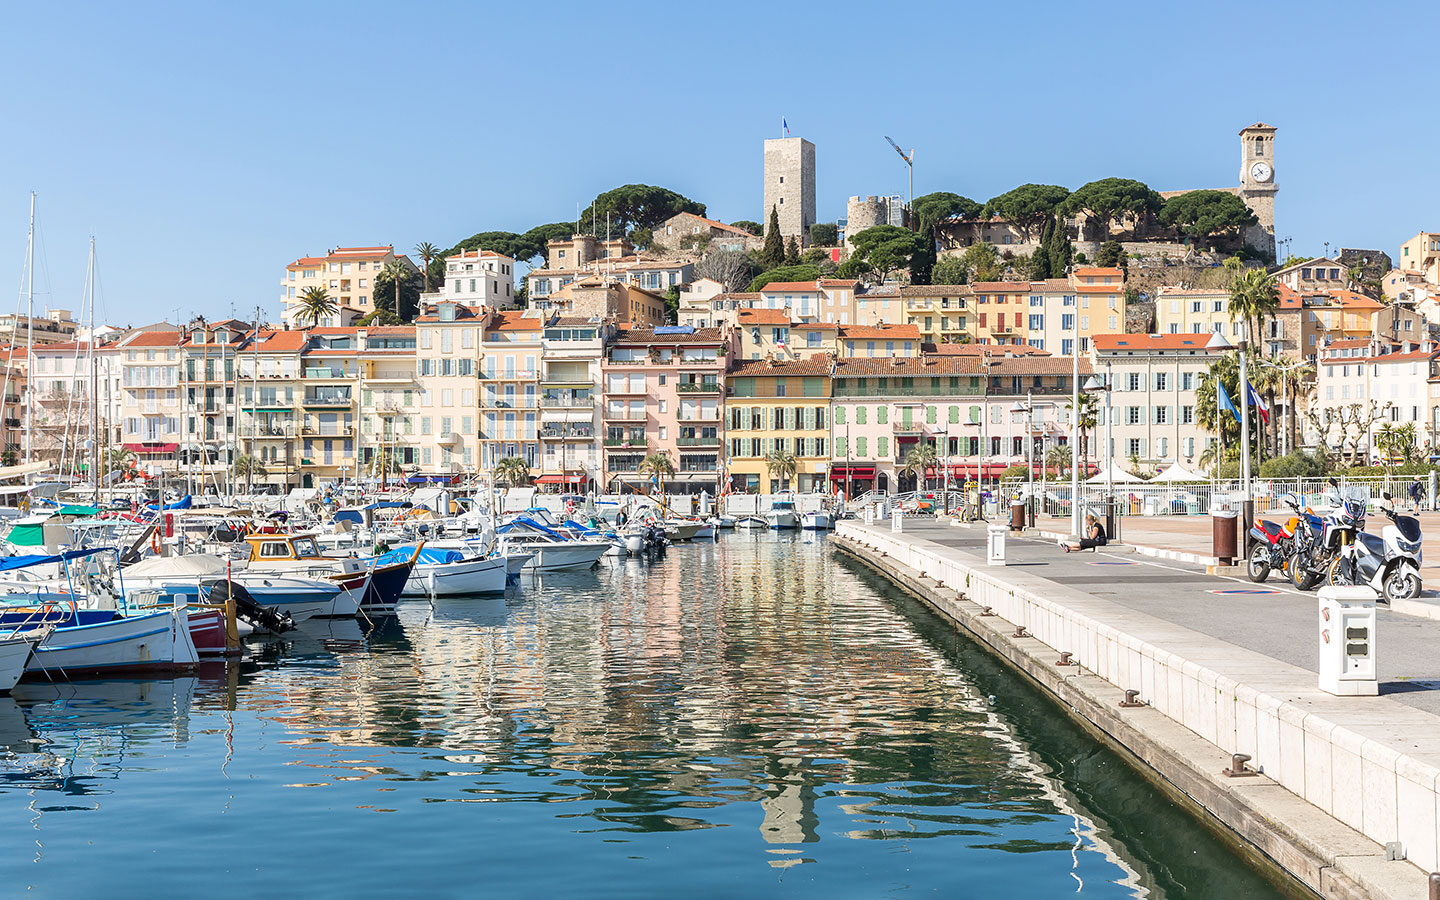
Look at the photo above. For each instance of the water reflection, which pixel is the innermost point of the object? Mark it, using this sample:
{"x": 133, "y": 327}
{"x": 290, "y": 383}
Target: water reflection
{"x": 738, "y": 708}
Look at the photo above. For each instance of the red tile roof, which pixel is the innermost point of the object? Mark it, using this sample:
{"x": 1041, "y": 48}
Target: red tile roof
{"x": 1099, "y": 272}
{"x": 909, "y": 332}
{"x": 1150, "y": 341}
{"x": 306, "y": 261}
{"x": 515, "y": 320}
{"x": 1000, "y": 287}
{"x": 763, "y": 317}
{"x": 818, "y": 364}
{"x": 854, "y": 367}
{"x": 774, "y": 286}
{"x": 155, "y": 339}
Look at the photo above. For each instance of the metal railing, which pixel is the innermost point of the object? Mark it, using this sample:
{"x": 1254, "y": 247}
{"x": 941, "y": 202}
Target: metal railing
{"x": 701, "y": 387}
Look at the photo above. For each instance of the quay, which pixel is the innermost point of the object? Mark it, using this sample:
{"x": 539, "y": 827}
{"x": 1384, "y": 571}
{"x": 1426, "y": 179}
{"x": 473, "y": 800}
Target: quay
{"x": 1347, "y": 789}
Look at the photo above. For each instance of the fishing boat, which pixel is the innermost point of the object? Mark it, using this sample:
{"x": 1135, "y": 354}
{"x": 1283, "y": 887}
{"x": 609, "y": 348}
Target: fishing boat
{"x": 441, "y": 572}
{"x": 552, "y": 551}
{"x": 748, "y": 522}
{"x": 781, "y": 515}
{"x": 16, "y": 650}
{"x": 158, "y": 641}
{"x": 376, "y": 586}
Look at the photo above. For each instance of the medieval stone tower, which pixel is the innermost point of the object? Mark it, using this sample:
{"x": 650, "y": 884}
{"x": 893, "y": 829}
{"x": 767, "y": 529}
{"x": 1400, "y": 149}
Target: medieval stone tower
{"x": 1257, "y": 183}
{"x": 790, "y": 187}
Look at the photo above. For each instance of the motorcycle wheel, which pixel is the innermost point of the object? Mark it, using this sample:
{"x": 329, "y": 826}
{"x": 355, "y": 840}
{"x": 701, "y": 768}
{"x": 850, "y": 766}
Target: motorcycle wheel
{"x": 1401, "y": 585}
{"x": 1300, "y": 577}
{"x": 1259, "y": 565}
{"x": 1335, "y": 575}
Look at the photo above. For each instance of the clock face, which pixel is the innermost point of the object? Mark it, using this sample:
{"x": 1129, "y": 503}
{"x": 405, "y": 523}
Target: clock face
{"x": 1260, "y": 171}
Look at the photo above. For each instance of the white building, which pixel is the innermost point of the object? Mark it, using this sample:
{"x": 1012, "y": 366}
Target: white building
{"x": 477, "y": 278}
{"x": 1152, "y": 401}
{"x": 1364, "y": 384}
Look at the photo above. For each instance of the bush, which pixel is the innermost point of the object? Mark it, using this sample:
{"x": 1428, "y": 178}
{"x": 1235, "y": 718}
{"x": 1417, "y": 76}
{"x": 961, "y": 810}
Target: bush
{"x": 1298, "y": 464}
{"x": 1409, "y": 470}
{"x": 1015, "y": 471}
{"x": 825, "y": 234}
{"x": 785, "y": 273}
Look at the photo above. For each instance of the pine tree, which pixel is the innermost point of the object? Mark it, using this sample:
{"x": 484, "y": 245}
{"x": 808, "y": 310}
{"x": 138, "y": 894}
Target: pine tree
{"x": 772, "y": 254}
{"x": 792, "y": 252}
{"x": 1061, "y": 251}
{"x": 1040, "y": 259}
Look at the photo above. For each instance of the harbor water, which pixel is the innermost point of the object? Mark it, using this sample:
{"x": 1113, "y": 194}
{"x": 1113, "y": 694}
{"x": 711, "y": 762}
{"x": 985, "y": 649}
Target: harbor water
{"x": 750, "y": 717}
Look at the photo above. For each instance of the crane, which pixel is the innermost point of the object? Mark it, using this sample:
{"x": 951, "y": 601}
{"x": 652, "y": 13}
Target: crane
{"x": 910, "y": 165}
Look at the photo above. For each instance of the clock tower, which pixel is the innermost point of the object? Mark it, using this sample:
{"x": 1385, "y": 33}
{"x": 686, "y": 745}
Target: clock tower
{"x": 1257, "y": 183}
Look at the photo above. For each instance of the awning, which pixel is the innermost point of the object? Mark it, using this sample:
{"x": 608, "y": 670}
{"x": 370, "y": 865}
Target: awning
{"x": 152, "y": 448}
{"x": 840, "y": 473}
{"x": 560, "y": 479}
{"x": 991, "y": 468}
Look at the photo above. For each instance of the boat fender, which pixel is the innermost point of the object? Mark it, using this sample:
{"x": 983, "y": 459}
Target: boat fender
{"x": 155, "y": 541}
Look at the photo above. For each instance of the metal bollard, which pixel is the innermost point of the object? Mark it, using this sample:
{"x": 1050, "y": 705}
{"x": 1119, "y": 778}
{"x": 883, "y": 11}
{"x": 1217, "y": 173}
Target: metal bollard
{"x": 1239, "y": 770}
{"x": 1434, "y": 876}
{"x": 1132, "y": 700}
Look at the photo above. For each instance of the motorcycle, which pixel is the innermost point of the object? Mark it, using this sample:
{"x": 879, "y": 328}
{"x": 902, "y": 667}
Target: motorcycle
{"x": 1388, "y": 562}
{"x": 1319, "y": 542}
{"x": 1273, "y": 547}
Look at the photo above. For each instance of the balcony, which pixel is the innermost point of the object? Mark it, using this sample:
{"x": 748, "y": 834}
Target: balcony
{"x": 632, "y": 443}
{"x": 449, "y": 437}
{"x": 700, "y": 415}
{"x": 331, "y": 372}
{"x": 392, "y": 376}
{"x": 699, "y": 387}
{"x": 624, "y": 415}
{"x": 907, "y": 428}
{"x": 329, "y": 402}
{"x": 328, "y": 431}
{"x": 511, "y": 403}
{"x": 698, "y": 441}
{"x": 578, "y": 432}
{"x": 567, "y": 401}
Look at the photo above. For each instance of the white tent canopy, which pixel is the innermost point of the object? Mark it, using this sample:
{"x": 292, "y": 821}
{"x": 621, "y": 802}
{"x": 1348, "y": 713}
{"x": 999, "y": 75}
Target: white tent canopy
{"x": 1178, "y": 473}
{"x": 1116, "y": 475}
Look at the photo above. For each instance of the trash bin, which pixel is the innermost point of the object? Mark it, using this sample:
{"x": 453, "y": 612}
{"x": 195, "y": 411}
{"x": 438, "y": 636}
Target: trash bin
{"x": 1223, "y": 526}
{"x": 1017, "y": 514}
{"x": 1112, "y": 520}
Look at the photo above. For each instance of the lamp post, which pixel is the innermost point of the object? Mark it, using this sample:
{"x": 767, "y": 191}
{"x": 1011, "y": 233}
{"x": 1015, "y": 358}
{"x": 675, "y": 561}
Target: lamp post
{"x": 1094, "y": 385}
{"x": 1219, "y": 342}
{"x": 1075, "y": 426}
{"x": 1028, "y": 408}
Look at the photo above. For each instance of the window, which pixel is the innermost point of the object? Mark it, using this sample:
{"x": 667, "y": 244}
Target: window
{"x": 1132, "y": 415}
{"x": 1162, "y": 415}
{"x": 1187, "y": 415}
{"x": 1132, "y": 381}
{"x": 1162, "y": 381}
{"x": 1187, "y": 381}
{"x": 1135, "y": 447}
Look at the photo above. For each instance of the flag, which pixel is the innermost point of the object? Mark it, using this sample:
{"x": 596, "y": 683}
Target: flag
{"x": 1222, "y": 400}
{"x": 785, "y": 125}
{"x": 1255, "y": 400}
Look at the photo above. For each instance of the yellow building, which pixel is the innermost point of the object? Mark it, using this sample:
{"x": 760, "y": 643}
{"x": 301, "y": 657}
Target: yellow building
{"x": 1194, "y": 311}
{"x": 943, "y": 313}
{"x": 1421, "y": 254}
{"x": 1000, "y": 310}
{"x": 781, "y": 408}
{"x": 347, "y": 273}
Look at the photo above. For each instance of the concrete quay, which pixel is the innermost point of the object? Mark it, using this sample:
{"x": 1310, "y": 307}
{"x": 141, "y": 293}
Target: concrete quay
{"x": 1216, "y": 674}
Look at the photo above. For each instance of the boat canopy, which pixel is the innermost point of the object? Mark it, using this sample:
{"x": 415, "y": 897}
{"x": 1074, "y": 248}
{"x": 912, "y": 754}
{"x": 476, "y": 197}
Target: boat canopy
{"x": 183, "y": 503}
{"x": 432, "y": 556}
{"x": 188, "y": 566}
{"x": 527, "y": 522}
{"x": 25, "y": 561}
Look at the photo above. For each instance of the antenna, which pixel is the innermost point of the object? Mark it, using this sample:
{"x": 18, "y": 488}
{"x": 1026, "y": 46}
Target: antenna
{"x": 910, "y": 165}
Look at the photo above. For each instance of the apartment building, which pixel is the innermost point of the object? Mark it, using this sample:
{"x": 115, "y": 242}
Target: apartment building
{"x": 942, "y": 313}
{"x": 1195, "y": 311}
{"x": 14, "y": 395}
{"x": 347, "y": 273}
{"x": 1153, "y": 379}
{"x": 585, "y": 257}
{"x": 476, "y": 278}
{"x": 208, "y": 402}
{"x": 511, "y": 347}
{"x": 1373, "y": 383}
{"x": 1421, "y": 256}
{"x": 664, "y": 392}
{"x": 573, "y": 350}
{"x": 150, "y": 405}
{"x": 448, "y": 370}
{"x": 55, "y": 326}
{"x": 269, "y": 371}
{"x": 778, "y": 407}
{"x": 63, "y": 398}
{"x": 604, "y": 298}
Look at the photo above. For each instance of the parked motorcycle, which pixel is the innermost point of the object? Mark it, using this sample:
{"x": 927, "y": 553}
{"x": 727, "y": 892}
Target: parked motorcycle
{"x": 1320, "y": 539}
{"x": 1388, "y": 562}
{"x": 1274, "y": 545}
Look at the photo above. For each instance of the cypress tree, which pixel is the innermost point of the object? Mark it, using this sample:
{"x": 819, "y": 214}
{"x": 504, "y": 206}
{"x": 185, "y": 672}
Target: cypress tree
{"x": 1061, "y": 251}
{"x": 772, "y": 254}
{"x": 1040, "y": 259}
{"x": 792, "y": 252}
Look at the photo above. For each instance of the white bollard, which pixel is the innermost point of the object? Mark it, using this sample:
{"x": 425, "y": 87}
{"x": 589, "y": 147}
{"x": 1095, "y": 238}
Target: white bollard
{"x": 897, "y": 520}
{"x": 995, "y": 545}
{"x": 1346, "y": 636}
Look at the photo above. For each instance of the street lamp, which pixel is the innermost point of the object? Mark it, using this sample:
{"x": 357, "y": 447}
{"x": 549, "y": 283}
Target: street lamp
{"x": 1285, "y": 390}
{"x": 1095, "y": 386}
{"x": 1219, "y": 342}
{"x": 1028, "y": 408}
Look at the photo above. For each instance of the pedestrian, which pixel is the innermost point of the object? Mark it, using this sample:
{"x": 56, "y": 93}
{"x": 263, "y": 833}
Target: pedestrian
{"x": 1095, "y": 536}
{"x": 1417, "y": 494}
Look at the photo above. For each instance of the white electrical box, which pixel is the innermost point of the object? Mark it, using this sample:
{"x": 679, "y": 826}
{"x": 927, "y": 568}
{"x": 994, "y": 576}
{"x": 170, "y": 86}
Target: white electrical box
{"x": 995, "y": 544}
{"x": 897, "y": 520}
{"x": 1346, "y": 636}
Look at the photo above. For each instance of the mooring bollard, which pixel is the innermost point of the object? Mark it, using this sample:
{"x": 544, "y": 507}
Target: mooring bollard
{"x": 1238, "y": 769}
{"x": 1131, "y": 700}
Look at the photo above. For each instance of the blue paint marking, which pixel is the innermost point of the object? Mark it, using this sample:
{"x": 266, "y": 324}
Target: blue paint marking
{"x": 1243, "y": 591}
{"x": 1117, "y": 563}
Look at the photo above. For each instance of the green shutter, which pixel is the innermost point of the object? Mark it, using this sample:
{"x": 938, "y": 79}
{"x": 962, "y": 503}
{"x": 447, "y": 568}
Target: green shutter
{"x": 930, "y": 415}
{"x": 860, "y": 447}
{"x": 882, "y": 415}
{"x": 842, "y": 447}
{"x": 859, "y": 415}
{"x": 907, "y": 415}
{"x": 812, "y": 386}
{"x": 883, "y": 449}
{"x": 954, "y": 415}
{"x": 974, "y": 415}
{"x": 839, "y": 414}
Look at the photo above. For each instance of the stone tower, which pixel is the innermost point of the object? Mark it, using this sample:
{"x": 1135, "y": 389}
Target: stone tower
{"x": 790, "y": 187}
{"x": 862, "y": 213}
{"x": 1257, "y": 183}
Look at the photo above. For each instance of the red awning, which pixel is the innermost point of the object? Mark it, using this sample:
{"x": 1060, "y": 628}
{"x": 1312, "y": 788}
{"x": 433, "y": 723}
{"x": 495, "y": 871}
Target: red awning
{"x": 840, "y": 473}
{"x": 152, "y": 448}
{"x": 560, "y": 479}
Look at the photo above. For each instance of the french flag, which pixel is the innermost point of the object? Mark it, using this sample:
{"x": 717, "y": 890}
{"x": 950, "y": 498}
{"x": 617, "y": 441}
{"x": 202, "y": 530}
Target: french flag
{"x": 1254, "y": 397}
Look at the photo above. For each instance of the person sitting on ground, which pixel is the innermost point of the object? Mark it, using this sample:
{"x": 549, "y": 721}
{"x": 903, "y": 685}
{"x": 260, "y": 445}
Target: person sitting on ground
{"x": 1095, "y": 536}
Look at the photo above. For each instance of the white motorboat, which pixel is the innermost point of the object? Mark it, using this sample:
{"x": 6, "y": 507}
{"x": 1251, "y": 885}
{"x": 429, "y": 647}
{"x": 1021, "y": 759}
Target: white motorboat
{"x": 820, "y": 520}
{"x": 16, "y": 649}
{"x": 724, "y": 523}
{"x": 748, "y": 522}
{"x": 375, "y": 584}
{"x": 706, "y": 531}
{"x": 296, "y": 596}
{"x": 444, "y": 573}
{"x": 781, "y": 515}
{"x": 550, "y": 555}
{"x": 158, "y": 641}
{"x": 681, "y": 529}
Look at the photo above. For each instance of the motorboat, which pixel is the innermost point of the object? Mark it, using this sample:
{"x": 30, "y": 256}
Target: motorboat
{"x": 681, "y": 529}
{"x": 16, "y": 649}
{"x": 819, "y": 520}
{"x": 552, "y": 550}
{"x": 782, "y": 515}
{"x": 376, "y": 585}
{"x": 724, "y": 523}
{"x": 442, "y": 572}
{"x": 298, "y": 597}
{"x": 158, "y": 641}
{"x": 748, "y": 522}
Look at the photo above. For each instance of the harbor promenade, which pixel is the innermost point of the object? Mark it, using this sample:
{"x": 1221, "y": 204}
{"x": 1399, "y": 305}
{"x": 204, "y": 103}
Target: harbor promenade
{"x": 1220, "y": 666}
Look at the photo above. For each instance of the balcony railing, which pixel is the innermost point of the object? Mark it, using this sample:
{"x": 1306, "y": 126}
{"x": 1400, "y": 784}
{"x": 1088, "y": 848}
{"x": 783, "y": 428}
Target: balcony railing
{"x": 637, "y": 443}
{"x": 561, "y": 433}
{"x": 699, "y": 387}
{"x": 562, "y": 401}
{"x": 625, "y": 415}
{"x": 509, "y": 402}
{"x": 698, "y": 441}
{"x": 907, "y": 428}
{"x": 327, "y": 431}
{"x": 328, "y": 401}
{"x": 325, "y": 372}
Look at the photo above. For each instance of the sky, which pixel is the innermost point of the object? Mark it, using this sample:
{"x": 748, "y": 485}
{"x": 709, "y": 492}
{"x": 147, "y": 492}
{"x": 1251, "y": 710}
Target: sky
{"x": 205, "y": 146}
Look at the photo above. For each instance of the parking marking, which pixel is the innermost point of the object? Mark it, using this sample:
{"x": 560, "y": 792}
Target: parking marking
{"x": 1115, "y": 563}
{"x": 1243, "y": 591}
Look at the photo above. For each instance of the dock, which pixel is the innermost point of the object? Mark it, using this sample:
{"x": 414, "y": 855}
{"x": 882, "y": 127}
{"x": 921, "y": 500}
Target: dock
{"x": 1339, "y": 793}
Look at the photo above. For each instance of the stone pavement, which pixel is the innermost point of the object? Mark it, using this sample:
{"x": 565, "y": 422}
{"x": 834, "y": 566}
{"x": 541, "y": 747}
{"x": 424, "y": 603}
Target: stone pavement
{"x": 1280, "y": 624}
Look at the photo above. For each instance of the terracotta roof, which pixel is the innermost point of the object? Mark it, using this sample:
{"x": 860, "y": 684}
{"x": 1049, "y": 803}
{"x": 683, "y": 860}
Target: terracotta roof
{"x": 648, "y": 336}
{"x": 1098, "y": 272}
{"x": 1000, "y": 287}
{"x": 279, "y": 341}
{"x": 713, "y": 224}
{"x": 1100, "y": 288}
{"x": 515, "y": 320}
{"x": 1348, "y": 344}
{"x": 984, "y": 349}
{"x": 1037, "y": 365}
{"x": 837, "y": 282}
{"x": 1051, "y": 285}
{"x": 304, "y": 261}
{"x": 861, "y": 367}
{"x": 1352, "y": 300}
{"x": 1168, "y": 291}
{"x": 361, "y": 251}
{"x": 764, "y": 317}
{"x": 1289, "y": 299}
{"x": 390, "y": 330}
{"x": 907, "y": 332}
{"x": 936, "y": 290}
{"x": 789, "y": 286}
{"x": 477, "y": 254}
{"x": 154, "y": 339}
{"x": 818, "y": 364}
{"x": 1150, "y": 341}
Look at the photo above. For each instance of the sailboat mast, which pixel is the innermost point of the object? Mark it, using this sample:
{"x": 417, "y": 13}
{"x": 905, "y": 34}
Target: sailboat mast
{"x": 94, "y": 384}
{"x": 30, "y": 335}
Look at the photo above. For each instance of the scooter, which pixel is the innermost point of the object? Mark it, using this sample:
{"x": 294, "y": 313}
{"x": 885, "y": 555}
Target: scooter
{"x": 1389, "y": 562}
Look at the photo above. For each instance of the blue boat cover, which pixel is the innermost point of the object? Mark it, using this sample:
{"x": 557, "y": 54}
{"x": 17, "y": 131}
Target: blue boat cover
{"x": 182, "y": 503}
{"x": 428, "y": 556}
{"x": 25, "y": 561}
{"x": 348, "y": 515}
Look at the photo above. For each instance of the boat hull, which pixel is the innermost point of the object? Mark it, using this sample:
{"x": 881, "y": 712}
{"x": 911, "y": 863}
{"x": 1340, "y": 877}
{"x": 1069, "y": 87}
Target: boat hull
{"x": 568, "y": 555}
{"x": 781, "y": 521}
{"x": 468, "y": 576}
{"x": 15, "y": 653}
{"x": 818, "y": 521}
{"x": 155, "y": 642}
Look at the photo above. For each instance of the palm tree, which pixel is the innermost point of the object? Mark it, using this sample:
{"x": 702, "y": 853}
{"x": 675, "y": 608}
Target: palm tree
{"x": 1226, "y": 371}
{"x": 781, "y": 466}
{"x": 1089, "y": 416}
{"x": 1395, "y": 441}
{"x": 315, "y": 304}
{"x": 1057, "y": 458}
{"x": 248, "y": 467}
{"x": 1253, "y": 298}
{"x": 397, "y": 272}
{"x": 383, "y": 463}
{"x": 115, "y": 458}
{"x": 427, "y": 253}
{"x": 919, "y": 461}
{"x": 512, "y": 471}
{"x": 658, "y": 467}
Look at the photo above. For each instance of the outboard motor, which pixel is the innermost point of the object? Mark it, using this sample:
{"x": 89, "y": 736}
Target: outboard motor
{"x": 261, "y": 617}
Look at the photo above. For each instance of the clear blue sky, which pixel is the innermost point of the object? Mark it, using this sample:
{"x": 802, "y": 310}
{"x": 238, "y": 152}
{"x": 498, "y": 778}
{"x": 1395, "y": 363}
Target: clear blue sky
{"x": 207, "y": 145}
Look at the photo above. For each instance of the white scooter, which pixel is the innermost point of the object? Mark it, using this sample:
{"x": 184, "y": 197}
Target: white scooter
{"x": 1389, "y": 562}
